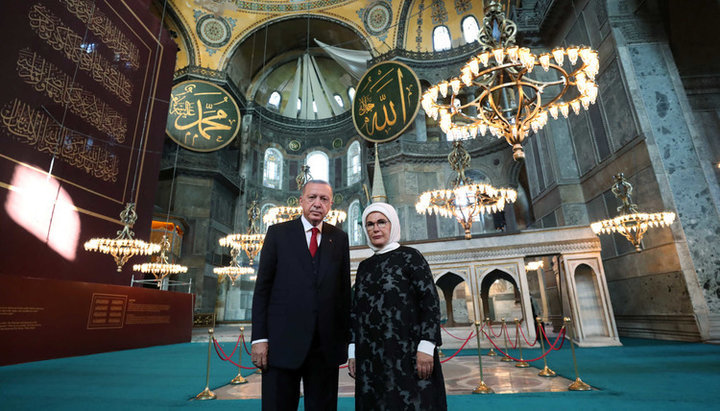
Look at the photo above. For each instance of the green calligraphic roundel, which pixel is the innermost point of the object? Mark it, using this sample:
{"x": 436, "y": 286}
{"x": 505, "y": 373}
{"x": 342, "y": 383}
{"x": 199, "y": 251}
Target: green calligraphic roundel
{"x": 202, "y": 116}
{"x": 386, "y": 102}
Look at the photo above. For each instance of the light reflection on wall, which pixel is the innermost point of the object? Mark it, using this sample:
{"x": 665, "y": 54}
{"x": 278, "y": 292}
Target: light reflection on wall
{"x": 44, "y": 209}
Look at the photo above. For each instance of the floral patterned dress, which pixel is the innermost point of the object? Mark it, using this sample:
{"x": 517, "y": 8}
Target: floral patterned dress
{"x": 395, "y": 305}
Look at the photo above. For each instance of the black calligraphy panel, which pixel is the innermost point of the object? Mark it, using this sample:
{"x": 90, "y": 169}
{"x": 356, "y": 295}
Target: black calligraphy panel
{"x": 386, "y": 102}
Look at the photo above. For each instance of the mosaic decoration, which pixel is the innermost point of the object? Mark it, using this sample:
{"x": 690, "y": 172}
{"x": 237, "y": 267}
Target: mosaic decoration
{"x": 439, "y": 13}
{"x": 292, "y": 201}
{"x": 271, "y": 6}
{"x": 294, "y": 145}
{"x": 419, "y": 38}
{"x": 377, "y": 18}
{"x": 338, "y": 199}
{"x": 461, "y": 6}
{"x": 337, "y": 143}
{"x": 213, "y": 31}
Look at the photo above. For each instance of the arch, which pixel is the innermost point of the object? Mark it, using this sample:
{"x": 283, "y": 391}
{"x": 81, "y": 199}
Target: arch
{"x": 275, "y": 100}
{"x": 319, "y": 163}
{"x": 354, "y": 225}
{"x": 503, "y": 308}
{"x": 589, "y": 303}
{"x": 273, "y": 168}
{"x": 441, "y": 38}
{"x": 354, "y": 163}
{"x": 455, "y": 298}
{"x": 470, "y": 28}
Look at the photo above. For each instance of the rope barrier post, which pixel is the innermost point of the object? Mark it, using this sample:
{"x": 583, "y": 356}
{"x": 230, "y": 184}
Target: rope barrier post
{"x": 578, "y": 384}
{"x": 492, "y": 352}
{"x": 545, "y": 372}
{"x": 522, "y": 363}
{"x": 239, "y": 378}
{"x": 505, "y": 358}
{"x": 482, "y": 388}
{"x": 206, "y": 394}
{"x": 440, "y": 353}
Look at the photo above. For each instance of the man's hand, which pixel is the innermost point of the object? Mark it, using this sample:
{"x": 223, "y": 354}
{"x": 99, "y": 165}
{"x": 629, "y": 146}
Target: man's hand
{"x": 424, "y": 365}
{"x": 258, "y": 354}
{"x": 351, "y": 367}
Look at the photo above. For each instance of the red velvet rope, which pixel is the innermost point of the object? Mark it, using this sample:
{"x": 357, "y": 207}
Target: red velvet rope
{"x": 472, "y": 334}
{"x": 551, "y": 348}
{"x": 525, "y": 338}
{"x": 245, "y": 344}
{"x": 507, "y": 333}
{"x": 493, "y": 332}
{"x": 225, "y": 357}
{"x": 562, "y": 331}
{"x": 458, "y": 338}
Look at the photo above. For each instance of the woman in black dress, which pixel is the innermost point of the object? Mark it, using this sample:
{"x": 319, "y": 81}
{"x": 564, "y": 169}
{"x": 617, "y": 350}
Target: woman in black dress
{"x": 395, "y": 321}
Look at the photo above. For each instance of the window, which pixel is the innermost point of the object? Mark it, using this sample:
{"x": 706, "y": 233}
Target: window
{"x": 354, "y": 224}
{"x": 319, "y": 165}
{"x": 339, "y": 100}
{"x": 314, "y": 107}
{"x": 353, "y": 163}
{"x": 274, "y": 100}
{"x": 299, "y": 105}
{"x": 441, "y": 38}
{"x": 351, "y": 93}
{"x": 272, "y": 171}
{"x": 470, "y": 29}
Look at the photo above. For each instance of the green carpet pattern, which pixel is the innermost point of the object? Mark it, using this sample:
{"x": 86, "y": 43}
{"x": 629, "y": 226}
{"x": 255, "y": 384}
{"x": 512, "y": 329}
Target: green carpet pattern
{"x": 642, "y": 374}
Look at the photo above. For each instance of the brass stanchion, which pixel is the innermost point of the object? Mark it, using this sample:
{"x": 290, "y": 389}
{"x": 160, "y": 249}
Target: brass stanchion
{"x": 482, "y": 388}
{"x": 505, "y": 358}
{"x": 578, "y": 384}
{"x": 492, "y": 352}
{"x": 545, "y": 372}
{"x": 440, "y": 353}
{"x": 522, "y": 363}
{"x": 239, "y": 378}
{"x": 206, "y": 394}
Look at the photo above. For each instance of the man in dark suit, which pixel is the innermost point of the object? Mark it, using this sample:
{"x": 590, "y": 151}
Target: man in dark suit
{"x": 301, "y": 307}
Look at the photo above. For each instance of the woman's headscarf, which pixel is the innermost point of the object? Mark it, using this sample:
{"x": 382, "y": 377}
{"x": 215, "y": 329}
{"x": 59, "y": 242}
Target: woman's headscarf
{"x": 389, "y": 212}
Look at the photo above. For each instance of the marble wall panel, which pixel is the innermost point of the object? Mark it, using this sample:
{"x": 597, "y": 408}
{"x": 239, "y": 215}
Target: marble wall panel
{"x": 650, "y": 295}
{"x": 559, "y": 140}
{"x": 582, "y": 142}
{"x": 687, "y": 183}
{"x": 574, "y": 214}
{"x": 622, "y": 127}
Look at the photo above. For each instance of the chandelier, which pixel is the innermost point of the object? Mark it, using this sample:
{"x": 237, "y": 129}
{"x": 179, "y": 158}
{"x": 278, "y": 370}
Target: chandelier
{"x": 501, "y": 97}
{"x": 162, "y": 267}
{"x": 234, "y": 270}
{"x": 631, "y": 223}
{"x": 125, "y": 245}
{"x": 467, "y": 201}
{"x": 250, "y": 242}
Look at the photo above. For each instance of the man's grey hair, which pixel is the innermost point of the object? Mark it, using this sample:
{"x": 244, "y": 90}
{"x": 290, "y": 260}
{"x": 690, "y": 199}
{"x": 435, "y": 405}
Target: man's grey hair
{"x": 316, "y": 182}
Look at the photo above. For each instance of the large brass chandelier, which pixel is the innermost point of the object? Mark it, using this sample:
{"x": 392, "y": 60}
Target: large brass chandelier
{"x": 501, "y": 97}
{"x": 125, "y": 245}
{"x": 467, "y": 201}
{"x": 162, "y": 267}
{"x": 252, "y": 241}
{"x": 234, "y": 270}
{"x": 631, "y": 223}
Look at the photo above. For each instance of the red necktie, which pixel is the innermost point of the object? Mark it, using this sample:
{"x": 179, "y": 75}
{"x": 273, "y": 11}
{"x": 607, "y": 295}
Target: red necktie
{"x": 313, "y": 241}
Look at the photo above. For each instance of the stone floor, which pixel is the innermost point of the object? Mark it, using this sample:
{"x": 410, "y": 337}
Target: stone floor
{"x": 461, "y": 372}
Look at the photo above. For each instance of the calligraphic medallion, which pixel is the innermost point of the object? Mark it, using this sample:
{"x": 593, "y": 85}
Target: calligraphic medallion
{"x": 202, "y": 117}
{"x": 386, "y": 102}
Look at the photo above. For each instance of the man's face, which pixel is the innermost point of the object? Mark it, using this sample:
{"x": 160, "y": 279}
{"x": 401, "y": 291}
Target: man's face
{"x": 316, "y": 201}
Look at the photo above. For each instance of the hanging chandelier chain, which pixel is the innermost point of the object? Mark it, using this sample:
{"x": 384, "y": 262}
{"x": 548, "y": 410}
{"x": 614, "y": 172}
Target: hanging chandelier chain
{"x": 622, "y": 190}
{"x": 459, "y": 160}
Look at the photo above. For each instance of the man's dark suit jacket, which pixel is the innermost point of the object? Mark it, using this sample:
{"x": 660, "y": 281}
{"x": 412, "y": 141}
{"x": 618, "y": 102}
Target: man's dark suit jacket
{"x": 290, "y": 300}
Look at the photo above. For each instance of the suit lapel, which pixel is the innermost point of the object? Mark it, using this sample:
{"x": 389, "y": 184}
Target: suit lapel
{"x": 299, "y": 242}
{"x": 327, "y": 242}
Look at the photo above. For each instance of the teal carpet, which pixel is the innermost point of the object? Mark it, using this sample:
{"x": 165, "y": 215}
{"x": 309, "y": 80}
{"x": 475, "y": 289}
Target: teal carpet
{"x": 642, "y": 374}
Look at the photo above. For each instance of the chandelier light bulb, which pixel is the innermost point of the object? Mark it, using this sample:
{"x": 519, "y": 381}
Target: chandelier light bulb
{"x": 572, "y": 53}
{"x": 545, "y": 61}
{"x": 499, "y": 55}
{"x": 559, "y": 56}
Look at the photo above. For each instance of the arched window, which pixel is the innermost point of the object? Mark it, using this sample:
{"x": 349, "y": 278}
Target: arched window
{"x": 470, "y": 29}
{"x": 314, "y": 107}
{"x": 272, "y": 170}
{"x": 263, "y": 210}
{"x": 351, "y": 94}
{"x": 354, "y": 224}
{"x": 299, "y": 105}
{"x": 339, "y": 100}
{"x": 441, "y": 38}
{"x": 319, "y": 165}
{"x": 274, "y": 100}
{"x": 353, "y": 163}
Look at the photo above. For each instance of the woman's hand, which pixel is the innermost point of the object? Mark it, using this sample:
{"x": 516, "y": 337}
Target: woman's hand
{"x": 424, "y": 365}
{"x": 351, "y": 367}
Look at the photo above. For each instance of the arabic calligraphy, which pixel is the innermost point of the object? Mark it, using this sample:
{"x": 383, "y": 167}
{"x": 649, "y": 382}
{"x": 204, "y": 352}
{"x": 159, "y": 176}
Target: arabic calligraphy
{"x": 202, "y": 116}
{"x": 34, "y": 128}
{"x": 387, "y": 101}
{"x": 103, "y": 27}
{"x": 47, "y": 78}
{"x": 50, "y": 28}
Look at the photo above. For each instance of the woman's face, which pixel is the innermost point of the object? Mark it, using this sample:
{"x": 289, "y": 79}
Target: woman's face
{"x": 378, "y": 228}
